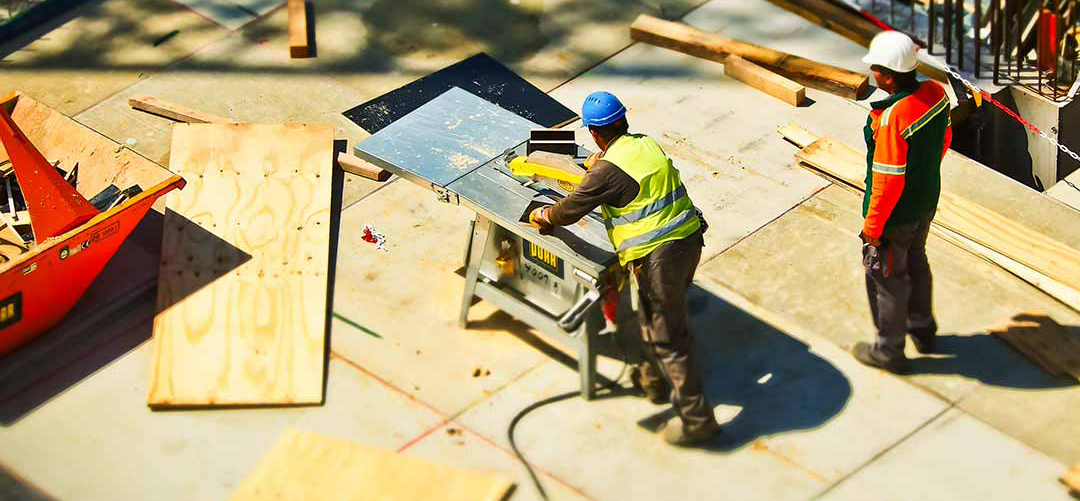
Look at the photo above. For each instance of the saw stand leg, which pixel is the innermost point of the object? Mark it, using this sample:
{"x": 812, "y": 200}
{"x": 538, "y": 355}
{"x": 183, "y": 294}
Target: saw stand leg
{"x": 587, "y": 335}
{"x": 474, "y": 255}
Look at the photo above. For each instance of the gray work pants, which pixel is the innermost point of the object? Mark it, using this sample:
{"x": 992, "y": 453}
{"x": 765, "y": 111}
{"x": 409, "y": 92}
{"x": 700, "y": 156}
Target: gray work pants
{"x": 898, "y": 284}
{"x": 663, "y": 281}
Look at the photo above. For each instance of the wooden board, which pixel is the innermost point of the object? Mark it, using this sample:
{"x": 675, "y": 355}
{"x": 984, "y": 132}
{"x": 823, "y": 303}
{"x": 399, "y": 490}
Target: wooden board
{"x": 151, "y": 104}
{"x": 1044, "y": 341}
{"x": 692, "y": 41}
{"x": 304, "y": 465}
{"x": 298, "y": 29}
{"x": 764, "y": 80}
{"x": 243, "y": 283}
{"x": 1071, "y": 478}
{"x": 1008, "y": 243}
{"x": 180, "y": 113}
{"x": 354, "y": 165}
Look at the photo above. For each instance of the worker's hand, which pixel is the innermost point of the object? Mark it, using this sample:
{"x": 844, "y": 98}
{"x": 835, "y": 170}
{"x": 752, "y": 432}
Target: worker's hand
{"x": 538, "y": 219}
{"x": 875, "y": 241}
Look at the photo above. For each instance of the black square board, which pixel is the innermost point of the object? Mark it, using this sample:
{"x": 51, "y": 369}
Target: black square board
{"x": 481, "y": 75}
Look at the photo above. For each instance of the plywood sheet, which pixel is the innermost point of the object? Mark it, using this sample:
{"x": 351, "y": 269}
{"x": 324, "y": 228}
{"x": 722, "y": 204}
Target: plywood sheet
{"x": 304, "y": 465}
{"x": 243, "y": 283}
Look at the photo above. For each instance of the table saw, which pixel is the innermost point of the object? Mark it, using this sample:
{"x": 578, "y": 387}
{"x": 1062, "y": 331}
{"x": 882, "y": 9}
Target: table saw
{"x": 458, "y": 146}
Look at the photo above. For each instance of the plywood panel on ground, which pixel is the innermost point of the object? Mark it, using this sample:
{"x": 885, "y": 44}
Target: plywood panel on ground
{"x": 243, "y": 283}
{"x": 304, "y": 465}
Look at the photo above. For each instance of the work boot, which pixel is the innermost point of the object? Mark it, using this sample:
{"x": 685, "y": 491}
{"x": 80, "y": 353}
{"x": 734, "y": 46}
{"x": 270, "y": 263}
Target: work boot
{"x": 925, "y": 338}
{"x": 679, "y": 435}
{"x": 865, "y": 353}
{"x": 657, "y": 392}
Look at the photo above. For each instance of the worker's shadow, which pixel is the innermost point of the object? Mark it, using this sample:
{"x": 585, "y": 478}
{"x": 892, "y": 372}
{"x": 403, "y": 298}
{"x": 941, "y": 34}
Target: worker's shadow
{"x": 777, "y": 383}
{"x": 989, "y": 360}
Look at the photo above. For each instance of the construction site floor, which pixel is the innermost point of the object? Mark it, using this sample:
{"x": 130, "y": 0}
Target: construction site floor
{"x": 777, "y": 302}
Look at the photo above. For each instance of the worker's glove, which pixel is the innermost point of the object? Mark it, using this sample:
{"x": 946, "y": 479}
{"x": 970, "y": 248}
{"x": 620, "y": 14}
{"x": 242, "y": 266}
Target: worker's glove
{"x": 538, "y": 219}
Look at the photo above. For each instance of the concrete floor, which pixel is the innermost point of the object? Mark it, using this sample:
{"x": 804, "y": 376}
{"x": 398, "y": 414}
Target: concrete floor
{"x": 777, "y": 301}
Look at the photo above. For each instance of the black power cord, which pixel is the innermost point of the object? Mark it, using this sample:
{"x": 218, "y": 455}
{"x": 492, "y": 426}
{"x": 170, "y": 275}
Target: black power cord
{"x": 613, "y": 385}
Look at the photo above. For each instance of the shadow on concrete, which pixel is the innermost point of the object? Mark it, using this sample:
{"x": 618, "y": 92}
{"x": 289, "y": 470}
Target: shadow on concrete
{"x": 203, "y": 258}
{"x": 112, "y": 318}
{"x": 14, "y": 488}
{"x": 989, "y": 360}
{"x": 397, "y": 31}
{"x": 337, "y": 190}
{"x": 779, "y": 384}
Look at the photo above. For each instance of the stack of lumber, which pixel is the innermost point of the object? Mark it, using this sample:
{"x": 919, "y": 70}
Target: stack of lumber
{"x": 242, "y": 290}
{"x": 304, "y": 465}
{"x": 180, "y": 113}
{"x": 1034, "y": 257}
{"x": 774, "y": 72}
{"x": 1045, "y": 342}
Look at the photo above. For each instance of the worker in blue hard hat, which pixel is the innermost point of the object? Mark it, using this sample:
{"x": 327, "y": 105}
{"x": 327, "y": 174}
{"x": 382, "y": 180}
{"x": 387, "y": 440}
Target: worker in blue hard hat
{"x": 657, "y": 233}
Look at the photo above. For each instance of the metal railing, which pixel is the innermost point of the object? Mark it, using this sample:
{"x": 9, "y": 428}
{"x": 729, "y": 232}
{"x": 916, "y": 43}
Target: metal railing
{"x": 1033, "y": 43}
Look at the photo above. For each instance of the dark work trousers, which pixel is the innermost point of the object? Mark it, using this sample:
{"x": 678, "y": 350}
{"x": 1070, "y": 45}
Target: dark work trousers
{"x": 664, "y": 279}
{"x": 898, "y": 284}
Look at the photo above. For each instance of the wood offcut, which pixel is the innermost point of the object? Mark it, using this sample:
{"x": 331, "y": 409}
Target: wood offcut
{"x": 305, "y": 465}
{"x": 242, "y": 291}
{"x": 173, "y": 111}
{"x": 764, "y": 80}
{"x": 698, "y": 43}
{"x": 1044, "y": 341}
{"x": 1034, "y": 257}
{"x": 299, "y": 45}
{"x": 1071, "y": 478}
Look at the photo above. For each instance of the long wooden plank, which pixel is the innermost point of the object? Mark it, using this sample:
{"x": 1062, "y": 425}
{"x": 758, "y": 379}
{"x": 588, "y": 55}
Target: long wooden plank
{"x": 180, "y": 113}
{"x": 304, "y": 465}
{"x": 764, "y": 80}
{"x": 698, "y": 43}
{"x": 243, "y": 283}
{"x": 298, "y": 29}
{"x": 1013, "y": 245}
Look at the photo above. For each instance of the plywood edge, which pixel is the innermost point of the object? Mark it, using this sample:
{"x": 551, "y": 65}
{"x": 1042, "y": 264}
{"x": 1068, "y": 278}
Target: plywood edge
{"x": 797, "y": 135}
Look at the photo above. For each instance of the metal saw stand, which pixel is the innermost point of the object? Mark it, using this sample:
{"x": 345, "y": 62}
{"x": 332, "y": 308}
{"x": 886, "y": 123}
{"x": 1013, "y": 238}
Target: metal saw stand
{"x": 454, "y": 145}
{"x": 476, "y": 286}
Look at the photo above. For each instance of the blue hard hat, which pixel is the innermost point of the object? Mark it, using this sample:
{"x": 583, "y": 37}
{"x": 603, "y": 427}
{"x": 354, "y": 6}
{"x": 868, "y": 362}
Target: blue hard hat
{"x": 601, "y": 108}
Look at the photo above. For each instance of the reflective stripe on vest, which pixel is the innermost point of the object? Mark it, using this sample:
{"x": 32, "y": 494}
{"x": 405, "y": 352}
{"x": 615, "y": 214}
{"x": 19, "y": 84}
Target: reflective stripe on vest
{"x": 668, "y": 227}
{"x": 662, "y": 210}
{"x": 649, "y": 210}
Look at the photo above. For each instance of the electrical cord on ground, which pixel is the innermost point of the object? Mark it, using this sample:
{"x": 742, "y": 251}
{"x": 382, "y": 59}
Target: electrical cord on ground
{"x": 613, "y": 385}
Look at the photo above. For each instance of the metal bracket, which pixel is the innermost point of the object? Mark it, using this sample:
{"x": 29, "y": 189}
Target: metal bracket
{"x": 444, "y": 195}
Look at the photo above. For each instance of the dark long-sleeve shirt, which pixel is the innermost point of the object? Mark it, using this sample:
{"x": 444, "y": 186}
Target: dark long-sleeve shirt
{"x": 604, "y": 183}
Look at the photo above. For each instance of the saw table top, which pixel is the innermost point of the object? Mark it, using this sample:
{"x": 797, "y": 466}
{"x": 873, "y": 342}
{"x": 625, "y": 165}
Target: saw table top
{"x": 455, "y": 144}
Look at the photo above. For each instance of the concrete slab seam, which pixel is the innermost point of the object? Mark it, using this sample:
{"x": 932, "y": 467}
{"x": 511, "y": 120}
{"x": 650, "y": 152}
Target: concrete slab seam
{"x": 447, "y": 418}
{"x": 141, "y": 78}
{"x": 759, "y": 228}
{"x": 884, "y": 451}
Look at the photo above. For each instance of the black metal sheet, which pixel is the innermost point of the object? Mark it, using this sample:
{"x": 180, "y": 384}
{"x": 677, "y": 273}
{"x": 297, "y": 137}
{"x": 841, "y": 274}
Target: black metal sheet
{"x": 482, "y": 76}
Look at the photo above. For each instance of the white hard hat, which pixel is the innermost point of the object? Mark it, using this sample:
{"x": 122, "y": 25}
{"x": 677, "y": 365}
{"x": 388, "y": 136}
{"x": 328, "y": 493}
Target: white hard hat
{"x": 893, "y": 50}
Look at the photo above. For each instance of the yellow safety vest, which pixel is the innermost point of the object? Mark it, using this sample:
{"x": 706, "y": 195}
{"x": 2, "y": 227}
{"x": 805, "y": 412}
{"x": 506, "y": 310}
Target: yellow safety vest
{"x": 662, "y": 211}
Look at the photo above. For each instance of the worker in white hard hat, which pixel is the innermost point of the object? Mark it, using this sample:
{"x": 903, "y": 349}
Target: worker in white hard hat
{"x": 907, "y": 134}
{"x": 657, "y": 234}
